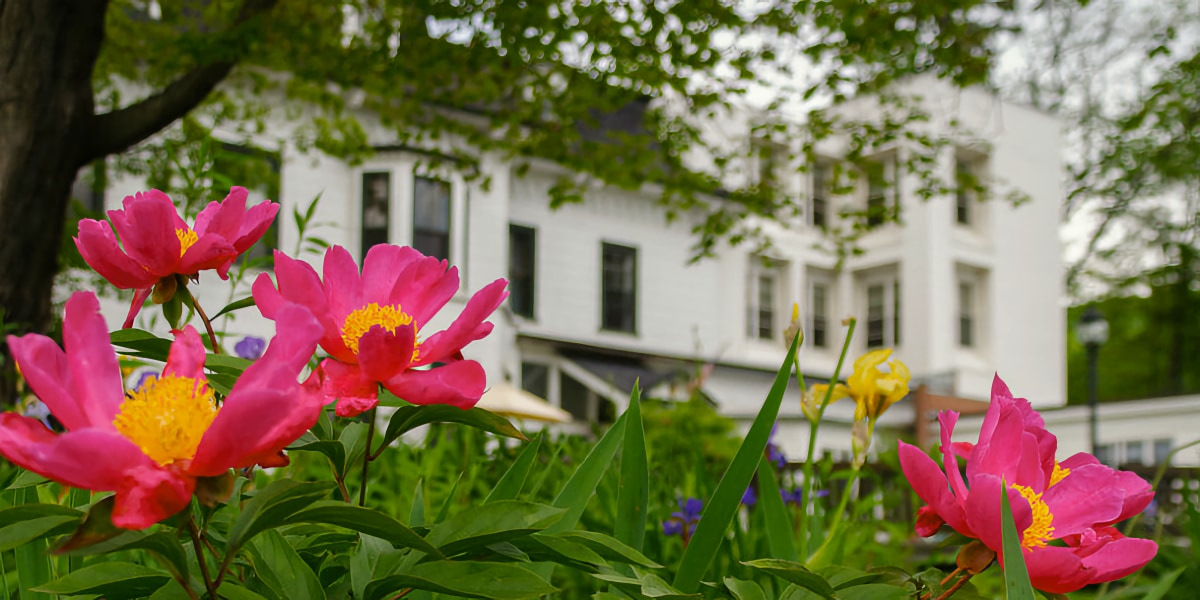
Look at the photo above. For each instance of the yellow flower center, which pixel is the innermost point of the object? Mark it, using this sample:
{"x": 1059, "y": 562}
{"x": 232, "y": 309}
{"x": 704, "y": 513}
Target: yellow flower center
{"x": 359, "y": 322}
{"x": 187, "y": 239}
{"x": 1041, "y": 530}
{"x": 167, "y": 417}
{"x": 1058, "y": 475}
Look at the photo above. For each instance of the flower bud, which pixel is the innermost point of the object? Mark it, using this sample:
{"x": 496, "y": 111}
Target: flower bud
{"x": 794, "y": 329}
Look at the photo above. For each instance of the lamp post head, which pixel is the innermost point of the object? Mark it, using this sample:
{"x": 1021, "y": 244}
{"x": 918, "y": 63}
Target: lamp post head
{"x": 1092, "y": 329}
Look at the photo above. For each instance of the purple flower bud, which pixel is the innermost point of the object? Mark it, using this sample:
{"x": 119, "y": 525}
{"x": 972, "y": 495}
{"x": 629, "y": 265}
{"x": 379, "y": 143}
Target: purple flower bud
{"x": 250, "y": 347}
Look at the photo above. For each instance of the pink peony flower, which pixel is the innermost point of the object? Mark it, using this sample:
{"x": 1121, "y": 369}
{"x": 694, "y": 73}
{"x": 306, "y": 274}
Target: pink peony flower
{"x": 1075, "y": 501}
{"x": 374, "y": 324}
{"x": 151, "y": 445}
{"x": 156, "y": 243}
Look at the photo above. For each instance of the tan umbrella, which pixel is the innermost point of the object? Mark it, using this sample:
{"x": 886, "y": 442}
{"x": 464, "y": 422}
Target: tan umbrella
{"x": 505, "y": 399}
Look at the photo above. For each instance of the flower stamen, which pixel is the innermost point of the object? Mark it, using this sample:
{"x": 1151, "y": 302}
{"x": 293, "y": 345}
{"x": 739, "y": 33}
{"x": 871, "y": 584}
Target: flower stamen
{"x": 187, "y": 239}
{"x": 167, "y": 417}
{"x": 359, "y": 322}
{"x": 1041, "y": 530}
{"x": 1060, "y": 473}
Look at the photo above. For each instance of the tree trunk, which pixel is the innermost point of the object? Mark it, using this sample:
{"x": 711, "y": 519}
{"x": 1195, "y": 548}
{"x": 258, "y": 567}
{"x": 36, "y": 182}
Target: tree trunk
{"x": 48, "y": 49}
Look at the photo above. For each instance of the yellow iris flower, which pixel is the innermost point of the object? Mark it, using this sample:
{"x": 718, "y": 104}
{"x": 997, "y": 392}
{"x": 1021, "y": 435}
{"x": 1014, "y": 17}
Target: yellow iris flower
{"x": 814, "y": 396}
{"x": 874, "y": 390}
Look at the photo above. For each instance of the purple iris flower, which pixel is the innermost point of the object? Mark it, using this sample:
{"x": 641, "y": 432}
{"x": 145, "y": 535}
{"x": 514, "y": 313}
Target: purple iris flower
{"x": 688, "y": 515}
{"x": 250, "y": 348}
{"x": 749, "y": 497}
{"x": 774, "y": 454}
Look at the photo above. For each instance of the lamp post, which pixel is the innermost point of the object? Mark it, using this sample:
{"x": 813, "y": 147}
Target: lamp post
{"x": 1092, "y": 332}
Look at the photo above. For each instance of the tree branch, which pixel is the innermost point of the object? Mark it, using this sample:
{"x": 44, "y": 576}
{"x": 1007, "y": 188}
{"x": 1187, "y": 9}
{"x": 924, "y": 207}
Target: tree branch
{"x": 118, "y": 130}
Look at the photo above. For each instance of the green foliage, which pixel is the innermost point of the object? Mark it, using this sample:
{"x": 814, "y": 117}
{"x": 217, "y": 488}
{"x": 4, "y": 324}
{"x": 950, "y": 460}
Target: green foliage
{"x": 1016, "y": 576}
{"x": 1153, "y": 347}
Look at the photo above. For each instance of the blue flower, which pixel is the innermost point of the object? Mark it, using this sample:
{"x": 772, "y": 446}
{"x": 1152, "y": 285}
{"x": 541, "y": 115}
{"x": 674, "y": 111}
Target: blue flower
{"x": 749, "y": 497}
{"x": 689, "y": 515}
{"x": 250, "y": 347}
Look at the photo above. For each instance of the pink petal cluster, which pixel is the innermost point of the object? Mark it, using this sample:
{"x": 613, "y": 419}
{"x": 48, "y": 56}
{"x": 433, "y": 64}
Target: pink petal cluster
{"x": 265, "y": 412}
{"x": 1076, "y": 501}
{"x": 152, "y": 240}
{"x": 397, "y": 280}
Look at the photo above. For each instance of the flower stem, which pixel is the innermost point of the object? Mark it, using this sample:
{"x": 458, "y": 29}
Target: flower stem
{"x": 362, "y": 491}
{"x": 957, "y": 585}
{"x": 813, "y": 426}
{"x": 208, "y": 580}
{"x": 191, "y": 300}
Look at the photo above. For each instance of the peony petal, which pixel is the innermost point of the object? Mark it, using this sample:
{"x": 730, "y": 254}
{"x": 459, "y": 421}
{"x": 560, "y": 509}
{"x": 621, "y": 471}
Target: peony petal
{"x": 209, "y": 252}
{"x": 135, "y": 306}
{"x": 928, "y": 481}
{"x": 355, "y": 393}
{"x": 1084, "y": 498}
{"x": 458, "y": 384}
{"x": 73, "y": 458}
{"x": 255, "y": 223}
{"x": 1056, "y": 570}
{"x": 224, "y": 219}
{"x": 186, "y": 358}
{"x": 267, "y": 409}
{"x": 343, "y": 286}
{"x": 266, "y": 297}
{"x": 149, "y": 495}
{"x": 44, "y": 366}
{"x": 468, "y": 327}
{"x": 382, "y": 267}
{"x": 383, "y": 355}
{"x": 1137, "y": 491}
{"x": 424, "y": 287}
{"x": 98, "y": 246}
{"x": 999, "y": 453}
{"x": 299, "y": 283}
{"x": 95, "y": 375}
{"x": 1118, "y": 558}
{"x": 983, "y": 510}
{"x": 147, "y": 227}
{"x": 947, "y": 419}
{"x": 928, "y": 521}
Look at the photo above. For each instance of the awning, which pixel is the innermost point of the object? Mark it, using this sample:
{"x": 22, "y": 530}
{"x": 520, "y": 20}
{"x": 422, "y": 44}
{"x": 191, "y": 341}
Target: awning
{"x": 505, "y": 399}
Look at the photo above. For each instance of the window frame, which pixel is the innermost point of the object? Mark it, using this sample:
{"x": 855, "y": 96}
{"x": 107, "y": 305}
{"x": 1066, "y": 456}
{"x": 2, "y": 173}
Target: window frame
{"x": 418, "y": 230}
{"x": 629, "y": 298}
{"x": 776, "y": 274}
{"x": 890, "y": 320}
{"x": 820, "y": 192}
{"x": 882, "y": 187}
{"x": 968, "y": 313}
{"x": 386, "y": 176}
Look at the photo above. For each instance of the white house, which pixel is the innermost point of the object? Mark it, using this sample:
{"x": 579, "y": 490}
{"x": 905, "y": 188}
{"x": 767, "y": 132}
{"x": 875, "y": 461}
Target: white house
{"x": 603, "y": 292}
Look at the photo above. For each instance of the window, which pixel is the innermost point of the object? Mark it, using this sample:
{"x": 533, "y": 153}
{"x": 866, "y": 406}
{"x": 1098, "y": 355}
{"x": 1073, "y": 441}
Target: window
{"x": 431, "y": 217}
{"x": 968, "y": 181}
{"x": 535, "y": 379}
{"x": 882, "y": 192}
{"x": 618, "y": 288}
{"x": 258, "y": 171}
{"x": 521, "y": 269}
{"x": 376, "y": 194}
{"x": 1133, "y": 453}
{"x": 966, "y": 314}
{"x": 769, "y": 157}
{"x": 822, "y": 177}
{"x": 762, "y": 300}
{"x": 1106, "y": 455}
{"x": 819, "y": 307}
{"x": 883, "y": 313}
{"x": 1162, "y": 448}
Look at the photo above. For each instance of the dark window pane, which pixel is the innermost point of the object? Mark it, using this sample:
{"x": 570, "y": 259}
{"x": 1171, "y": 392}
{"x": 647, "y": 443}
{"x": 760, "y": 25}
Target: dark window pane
{"x": 431, "y": 217}
{"x": 962, "y": 197}
{"x": 895, "y": 313}
{"x": 376, "y": 194}
{"x": 575, "y": 398}
{"x": 535, "y": 379}
{"x": 1161, "y": 449}
{"x": 876, "y": 195}
{"x": 521, "y": 269}
{"x": 619, "y": 288}
{"x": 819, "y": 315}
{"x": 966, "y": 315}
{"x": 875, "y": 317}
{"x": 820, "y": 195}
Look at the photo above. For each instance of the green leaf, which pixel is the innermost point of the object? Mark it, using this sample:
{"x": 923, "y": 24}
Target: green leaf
{"x": 334, "y": 450}
{"x": 96, "y": 527}
{"x": 793, "y": 572}
{"x": 502, "y": 581}
{"x": 281, "y": 568}
{"x": 172, "y": 310}
{"x": 363, "y": 562}
{"x": 554, "y": 549}
{"x": 1165, "y": 582}
{"x": 363, "y": 520}
{"x": 745, "y": 590}
{"x": 271, "y": 507}
{"x": 491, "y": 523}
{"x": 26, "y": 523}
{"x": 113, "y": 580}
{"x": 634, "y": 484}
{"x": 645, "y": 586}
{"x": 1016, "y": 577}
{"x": 144, "y": 343}
{"x": 780, "y": 534}
{"x": 32, "y": 562}
{"x": 610, "y": 548}
{"x": 874, "y": 591}
{"x": 510, "y": 484}
{"x": 233, "y": 591}
{"x": 26, "y": 479}
{"x": 225, "y": 363}
{"x": 416, "y": 515}
{"x": 721, "y": 508}
{"x": 410, "y": 417}
{"x": 580, "y": 488}
{"x": 246, "y": 302}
